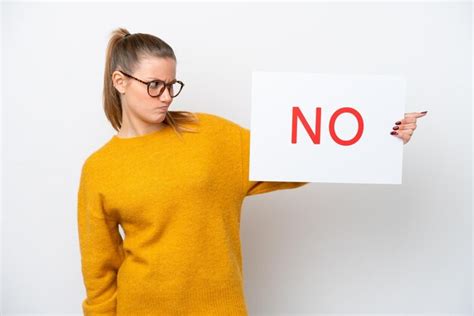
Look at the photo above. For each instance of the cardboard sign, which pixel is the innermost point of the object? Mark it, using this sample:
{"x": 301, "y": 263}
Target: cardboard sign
{"x": 326, "y": 127}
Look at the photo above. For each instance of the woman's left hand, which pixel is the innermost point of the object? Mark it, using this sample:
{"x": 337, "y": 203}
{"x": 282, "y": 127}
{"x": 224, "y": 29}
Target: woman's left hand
{"x": 404, "y": 128}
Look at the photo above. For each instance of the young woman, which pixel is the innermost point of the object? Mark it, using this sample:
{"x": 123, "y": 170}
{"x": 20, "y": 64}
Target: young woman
{"x": 175, "y": 181}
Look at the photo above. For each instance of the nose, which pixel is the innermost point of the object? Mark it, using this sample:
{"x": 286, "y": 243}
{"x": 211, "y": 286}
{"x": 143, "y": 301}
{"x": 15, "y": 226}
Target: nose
{"x": 165, "y": 96}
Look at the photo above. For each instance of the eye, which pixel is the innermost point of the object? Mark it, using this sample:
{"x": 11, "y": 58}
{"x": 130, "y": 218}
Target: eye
{"x": 156, "y": 84}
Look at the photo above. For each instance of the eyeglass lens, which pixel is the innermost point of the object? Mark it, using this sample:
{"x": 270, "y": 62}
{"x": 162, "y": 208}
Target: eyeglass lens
{"x": 156, "y": 88}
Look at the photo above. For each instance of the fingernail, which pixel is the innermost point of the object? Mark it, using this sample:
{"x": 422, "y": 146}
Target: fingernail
{"x": 396, "y": 127}
{"x": 394, "y": 133}
{"x": 424, "y": 112}
{"x": 398, "y": 123}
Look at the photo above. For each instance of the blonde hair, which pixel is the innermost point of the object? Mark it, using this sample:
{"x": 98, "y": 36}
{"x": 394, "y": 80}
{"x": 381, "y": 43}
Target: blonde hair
{"x": 124, "y": 52}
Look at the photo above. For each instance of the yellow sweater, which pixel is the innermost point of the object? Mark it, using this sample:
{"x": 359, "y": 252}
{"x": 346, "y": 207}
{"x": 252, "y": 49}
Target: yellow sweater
{"x": 178, "y": 201}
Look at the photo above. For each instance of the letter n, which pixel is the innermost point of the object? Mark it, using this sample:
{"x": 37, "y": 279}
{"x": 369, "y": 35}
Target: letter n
{"x": 297, "y": 114}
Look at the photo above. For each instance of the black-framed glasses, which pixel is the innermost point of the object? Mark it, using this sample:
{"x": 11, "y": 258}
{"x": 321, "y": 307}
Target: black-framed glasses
{"x": 156, "y": 87}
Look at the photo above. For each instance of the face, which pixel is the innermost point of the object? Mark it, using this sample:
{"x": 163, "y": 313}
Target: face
{"x": 137, "y": 104}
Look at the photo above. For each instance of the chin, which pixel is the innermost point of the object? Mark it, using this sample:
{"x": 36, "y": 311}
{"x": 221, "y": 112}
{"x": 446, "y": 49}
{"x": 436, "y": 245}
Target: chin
{"x": 160, "y": 117}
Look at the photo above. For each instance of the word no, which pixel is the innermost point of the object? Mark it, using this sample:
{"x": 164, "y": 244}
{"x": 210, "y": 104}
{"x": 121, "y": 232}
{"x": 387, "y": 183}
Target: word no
{"x": 316, "y": 136}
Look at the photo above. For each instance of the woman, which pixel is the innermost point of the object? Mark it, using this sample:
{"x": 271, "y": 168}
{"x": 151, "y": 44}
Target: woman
{"x": 175, "y": 181}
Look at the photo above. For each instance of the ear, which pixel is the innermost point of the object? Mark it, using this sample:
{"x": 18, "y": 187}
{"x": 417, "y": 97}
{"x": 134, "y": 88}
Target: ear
{"x": 119, "y": 81}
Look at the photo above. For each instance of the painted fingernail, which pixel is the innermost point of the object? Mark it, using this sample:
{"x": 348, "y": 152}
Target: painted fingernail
{"x": 398, "y": 123}
{"x": 396, "y": 127}
{"x": 424, "y": 112}
{"x": 394, "y": 133}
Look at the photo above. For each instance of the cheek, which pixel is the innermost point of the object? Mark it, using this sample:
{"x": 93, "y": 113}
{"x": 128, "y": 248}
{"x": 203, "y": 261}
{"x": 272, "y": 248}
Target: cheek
{"x": 139, "y": 103}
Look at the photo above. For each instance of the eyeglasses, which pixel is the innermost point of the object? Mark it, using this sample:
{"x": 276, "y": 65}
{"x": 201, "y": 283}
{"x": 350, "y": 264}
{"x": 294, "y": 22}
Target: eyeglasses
{"x": 156, "y": 87}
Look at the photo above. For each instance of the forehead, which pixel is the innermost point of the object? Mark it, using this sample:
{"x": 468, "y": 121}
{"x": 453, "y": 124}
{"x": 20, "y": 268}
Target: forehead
{"x": 157, "y": 68}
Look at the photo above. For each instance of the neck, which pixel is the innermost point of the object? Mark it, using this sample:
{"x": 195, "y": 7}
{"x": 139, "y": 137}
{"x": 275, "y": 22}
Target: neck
{"x": 133, "y": 128}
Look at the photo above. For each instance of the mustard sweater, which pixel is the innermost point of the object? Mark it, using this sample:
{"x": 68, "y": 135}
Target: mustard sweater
{"x": 178, "y": 201}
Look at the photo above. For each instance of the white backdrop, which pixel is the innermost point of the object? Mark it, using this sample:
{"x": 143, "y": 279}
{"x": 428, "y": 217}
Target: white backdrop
{"x": 322, "y": 248}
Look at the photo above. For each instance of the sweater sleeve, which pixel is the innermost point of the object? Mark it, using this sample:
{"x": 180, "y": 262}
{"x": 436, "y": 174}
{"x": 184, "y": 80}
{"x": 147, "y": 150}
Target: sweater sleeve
{"x": 100, "y": 247}
{"x": 258, "y": 187}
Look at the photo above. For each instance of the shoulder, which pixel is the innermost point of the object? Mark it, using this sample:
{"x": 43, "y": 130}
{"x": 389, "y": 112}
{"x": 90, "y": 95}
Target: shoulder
{"x": 225, "y": 125}
{"x": 221, "y": 130}
{"x": 89, "y": 164}
{"x": 214, "y": 120}
{"x": 94, "y": 161}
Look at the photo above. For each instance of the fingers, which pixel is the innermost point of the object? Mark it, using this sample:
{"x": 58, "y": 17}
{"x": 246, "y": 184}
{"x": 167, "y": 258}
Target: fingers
{"x": 404, "y": 130}
{"x": 412, "y": 116}
{"x": 408, "y": 119}
{"x": 406, "y": 126}
{"x": 416, "y": 114}
{"x": 405, "y": 135}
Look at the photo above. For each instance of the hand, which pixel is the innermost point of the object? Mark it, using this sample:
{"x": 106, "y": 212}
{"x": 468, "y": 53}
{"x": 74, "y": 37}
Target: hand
{"x": 404, "y": 129}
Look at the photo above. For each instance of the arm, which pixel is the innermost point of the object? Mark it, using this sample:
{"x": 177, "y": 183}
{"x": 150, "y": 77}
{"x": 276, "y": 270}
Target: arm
{"x": 100, "y": 247}
{"x": 258, "y": 187}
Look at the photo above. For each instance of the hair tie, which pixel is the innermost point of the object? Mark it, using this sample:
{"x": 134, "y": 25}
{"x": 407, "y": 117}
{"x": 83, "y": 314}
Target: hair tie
{"x": 127, "y": 35}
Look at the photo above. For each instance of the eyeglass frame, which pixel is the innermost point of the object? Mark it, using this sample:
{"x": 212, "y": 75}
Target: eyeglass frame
{"x": 165, "y": 85}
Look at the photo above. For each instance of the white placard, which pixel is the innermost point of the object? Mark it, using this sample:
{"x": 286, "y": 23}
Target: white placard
{"x": 326, "y": 127}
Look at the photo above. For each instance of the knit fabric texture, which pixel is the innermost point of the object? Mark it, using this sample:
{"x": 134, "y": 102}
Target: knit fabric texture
{"x": 178, "y": 201}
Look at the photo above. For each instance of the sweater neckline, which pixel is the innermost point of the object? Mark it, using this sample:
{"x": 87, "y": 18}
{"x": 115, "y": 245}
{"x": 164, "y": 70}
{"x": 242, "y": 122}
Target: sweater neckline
{"x": 141, "y": 138}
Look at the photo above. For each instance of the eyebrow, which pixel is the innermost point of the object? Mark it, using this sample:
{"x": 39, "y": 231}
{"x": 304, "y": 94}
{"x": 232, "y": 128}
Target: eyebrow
{"x": 151, "y": 78}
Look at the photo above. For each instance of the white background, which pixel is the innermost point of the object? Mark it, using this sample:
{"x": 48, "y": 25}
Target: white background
{"x": 322, "y": 248}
